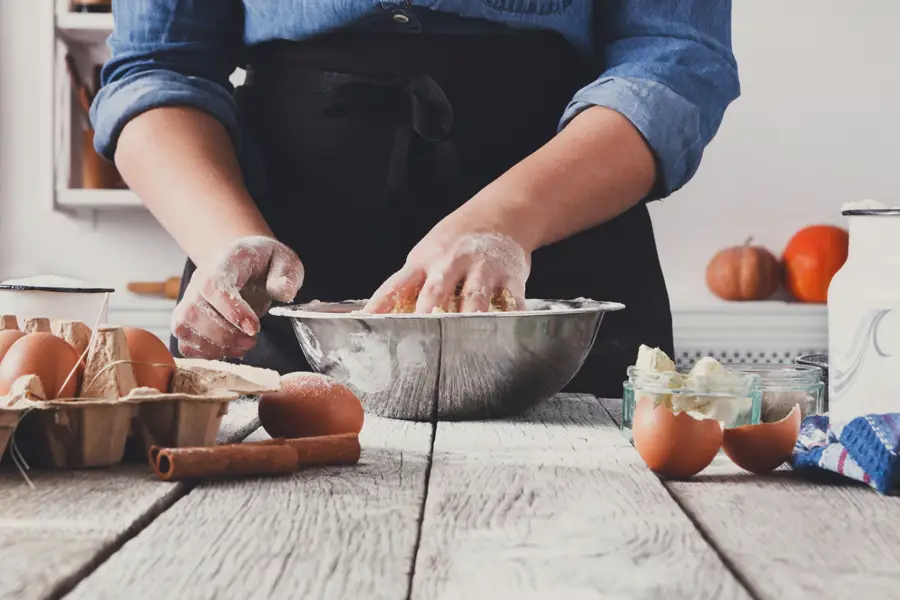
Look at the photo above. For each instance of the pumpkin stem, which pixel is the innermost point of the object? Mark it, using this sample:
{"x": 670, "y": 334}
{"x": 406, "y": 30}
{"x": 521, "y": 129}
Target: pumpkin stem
{"x": 749, "y": 241}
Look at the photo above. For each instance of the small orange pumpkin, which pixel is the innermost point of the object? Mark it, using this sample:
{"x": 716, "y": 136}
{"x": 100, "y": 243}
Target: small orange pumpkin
{"x": 811, "y": 258}
{"x": 743, "y": 273}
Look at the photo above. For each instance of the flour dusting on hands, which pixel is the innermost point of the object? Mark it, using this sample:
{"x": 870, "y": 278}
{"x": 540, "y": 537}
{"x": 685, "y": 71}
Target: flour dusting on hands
{"x": 219, "y": 314}
{"x": 478, "y": 272}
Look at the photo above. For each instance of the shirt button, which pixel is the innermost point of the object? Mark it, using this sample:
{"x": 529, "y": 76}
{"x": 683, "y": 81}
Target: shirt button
{"x": 400, "y": 18}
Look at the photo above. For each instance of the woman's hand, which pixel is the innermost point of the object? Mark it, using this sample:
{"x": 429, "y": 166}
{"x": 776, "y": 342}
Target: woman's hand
{"x": 219, "y": 314}
{"x": 490, "y": 269}
{"x": 598, "y": 167}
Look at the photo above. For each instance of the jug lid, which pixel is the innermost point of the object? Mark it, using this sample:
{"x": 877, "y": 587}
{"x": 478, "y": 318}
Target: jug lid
{"x": 871, "y": 212}
{"x": 869, "y": 208}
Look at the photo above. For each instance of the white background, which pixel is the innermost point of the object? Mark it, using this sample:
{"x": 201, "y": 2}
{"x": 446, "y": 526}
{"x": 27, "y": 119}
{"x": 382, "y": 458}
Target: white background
{"x": 817, "y": 125}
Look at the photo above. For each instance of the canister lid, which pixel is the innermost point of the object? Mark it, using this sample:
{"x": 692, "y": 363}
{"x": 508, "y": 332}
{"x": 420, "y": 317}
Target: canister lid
{"x": 53, "y": 283}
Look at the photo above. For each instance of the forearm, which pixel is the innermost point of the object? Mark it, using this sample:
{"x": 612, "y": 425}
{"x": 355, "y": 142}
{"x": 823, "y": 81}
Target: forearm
{"x": 181, "y": 163}
{"x": 596, "y": 168}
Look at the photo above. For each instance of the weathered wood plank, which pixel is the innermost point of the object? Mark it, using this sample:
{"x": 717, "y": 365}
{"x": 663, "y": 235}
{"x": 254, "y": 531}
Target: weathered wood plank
{"x": 556, "y": 504}
{"x": 342, "y": 532}
{"x": 52, "y": 535}
{"x": 789, "y": 537}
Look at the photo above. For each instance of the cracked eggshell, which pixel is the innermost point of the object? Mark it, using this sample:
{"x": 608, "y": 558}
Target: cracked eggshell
{"x": 764, "y": 447}
{"x": 677, "y": 446}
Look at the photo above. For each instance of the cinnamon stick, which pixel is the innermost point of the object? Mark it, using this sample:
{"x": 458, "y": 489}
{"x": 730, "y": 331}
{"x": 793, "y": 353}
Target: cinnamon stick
{"x": 269, "y": 457}
{"x": 339, "y": 449}
{"x": 229, "y": 460}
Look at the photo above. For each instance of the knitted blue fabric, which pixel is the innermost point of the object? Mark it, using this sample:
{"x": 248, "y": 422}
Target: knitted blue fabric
{"x": 865, "y": 451}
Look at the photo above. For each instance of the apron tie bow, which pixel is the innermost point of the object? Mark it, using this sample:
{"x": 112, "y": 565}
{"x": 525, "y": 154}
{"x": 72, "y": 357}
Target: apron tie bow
{"x": 419, "y": 106}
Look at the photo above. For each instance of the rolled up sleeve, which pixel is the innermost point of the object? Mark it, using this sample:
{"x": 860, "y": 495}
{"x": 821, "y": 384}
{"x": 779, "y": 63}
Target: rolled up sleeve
{"x": 168, "y": 53}
{"x": 668, "y": 68}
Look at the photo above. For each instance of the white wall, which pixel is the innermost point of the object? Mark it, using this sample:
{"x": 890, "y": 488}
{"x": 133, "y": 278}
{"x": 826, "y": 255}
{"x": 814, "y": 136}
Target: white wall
{"x": 817, "y": 125}
{"x": 110, "y": 248}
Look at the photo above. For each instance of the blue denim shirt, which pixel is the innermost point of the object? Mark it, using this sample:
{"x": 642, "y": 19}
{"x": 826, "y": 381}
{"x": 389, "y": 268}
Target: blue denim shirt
{"x": 666, "y": 65}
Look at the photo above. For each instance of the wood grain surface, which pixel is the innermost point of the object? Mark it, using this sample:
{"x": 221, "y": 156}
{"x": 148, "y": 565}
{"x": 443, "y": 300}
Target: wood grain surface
{"x": 338, "y": 532}
{"x": 556, "y": 504}
{"x": 52, "y": 535}
{"x": 553, "y": 504}
{"x": 790, "y": 537}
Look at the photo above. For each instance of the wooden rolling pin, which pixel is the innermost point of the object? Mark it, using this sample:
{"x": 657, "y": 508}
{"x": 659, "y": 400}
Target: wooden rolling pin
{"x": 168, "y": 288}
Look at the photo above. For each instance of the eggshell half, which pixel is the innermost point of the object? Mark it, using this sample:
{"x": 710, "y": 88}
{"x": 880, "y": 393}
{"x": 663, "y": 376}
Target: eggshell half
{"x": 677, "y": 446}
{"x": 44, "y": 355}
{"x": 310, "y": 404}
{"x": 8, "y": 337}
{"x": 146, "y": 350}
{"x": 765, "y": 447}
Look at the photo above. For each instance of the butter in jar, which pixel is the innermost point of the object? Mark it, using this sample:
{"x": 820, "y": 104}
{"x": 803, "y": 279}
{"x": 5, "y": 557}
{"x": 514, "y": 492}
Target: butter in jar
{"x": 708, "y": 390}
{"x": 784, "y": 386}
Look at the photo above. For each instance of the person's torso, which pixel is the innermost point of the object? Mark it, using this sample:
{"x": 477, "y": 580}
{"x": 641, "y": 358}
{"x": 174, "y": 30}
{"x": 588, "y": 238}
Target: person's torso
{"x": 265, "y": 20}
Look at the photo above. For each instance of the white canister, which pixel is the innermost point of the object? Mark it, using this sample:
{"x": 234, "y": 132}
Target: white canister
{"x": 864, "y": 320}
{"x": 55, "y": 298}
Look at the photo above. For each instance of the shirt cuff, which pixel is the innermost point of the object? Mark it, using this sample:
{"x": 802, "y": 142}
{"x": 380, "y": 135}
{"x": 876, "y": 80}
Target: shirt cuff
{"x": 669, "y": 123}
{"x": 120, "y": 101}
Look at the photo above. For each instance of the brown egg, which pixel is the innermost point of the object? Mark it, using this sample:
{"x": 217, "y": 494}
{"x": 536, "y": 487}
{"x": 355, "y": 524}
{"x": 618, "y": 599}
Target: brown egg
{"x": 8, "y": 337}
{"x": 765, "y": 447}
{"x": 44, "y": 355}
{"x": 677, "y": 446}
{"x": 310, "y": 404}
{"x": 146, "y": 348}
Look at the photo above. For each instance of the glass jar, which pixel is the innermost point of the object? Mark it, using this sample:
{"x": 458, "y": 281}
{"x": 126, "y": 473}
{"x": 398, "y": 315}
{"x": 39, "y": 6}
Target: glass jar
{"x": 731, "y": 397}
{"x": 784, "y": 386}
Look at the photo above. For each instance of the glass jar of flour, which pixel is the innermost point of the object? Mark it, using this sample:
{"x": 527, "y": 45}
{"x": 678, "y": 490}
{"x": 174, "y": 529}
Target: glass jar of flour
{"x": 786, "y": 386}
{"x": 864, "y": 318}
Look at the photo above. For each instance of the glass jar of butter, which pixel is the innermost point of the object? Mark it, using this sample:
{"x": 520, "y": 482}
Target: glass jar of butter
{"x": 784, "y": 386}
{"x": 708, "y": 390}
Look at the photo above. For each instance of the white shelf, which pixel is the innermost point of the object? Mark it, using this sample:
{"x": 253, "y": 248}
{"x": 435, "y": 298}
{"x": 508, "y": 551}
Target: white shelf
{"x": 751, "y": 325}
{"x": 84, "y": 28}
{"x": 97, "y": 199}
{"x": 769, "y": 307}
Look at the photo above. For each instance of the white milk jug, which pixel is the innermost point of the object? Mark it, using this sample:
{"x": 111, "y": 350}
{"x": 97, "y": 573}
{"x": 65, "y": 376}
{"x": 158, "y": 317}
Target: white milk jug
{"x": 864, "y": 318}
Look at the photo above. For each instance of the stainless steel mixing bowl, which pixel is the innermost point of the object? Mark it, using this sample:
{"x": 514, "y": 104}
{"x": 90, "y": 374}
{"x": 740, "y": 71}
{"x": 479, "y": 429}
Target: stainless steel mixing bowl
{"x": 449, "y": 366}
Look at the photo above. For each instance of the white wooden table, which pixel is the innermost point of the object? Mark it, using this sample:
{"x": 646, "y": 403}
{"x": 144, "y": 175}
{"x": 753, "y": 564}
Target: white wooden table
{"x": 552, "y": 505}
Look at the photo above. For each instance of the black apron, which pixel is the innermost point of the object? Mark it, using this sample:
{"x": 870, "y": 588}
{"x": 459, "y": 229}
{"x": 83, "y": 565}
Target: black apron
{"x": 368, "y": 140}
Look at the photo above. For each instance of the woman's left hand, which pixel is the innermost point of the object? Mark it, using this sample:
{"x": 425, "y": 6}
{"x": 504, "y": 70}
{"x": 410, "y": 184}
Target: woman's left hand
{"x": 490, "y": 269}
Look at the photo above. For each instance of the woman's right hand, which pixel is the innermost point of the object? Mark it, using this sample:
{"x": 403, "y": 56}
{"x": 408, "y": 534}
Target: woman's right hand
{"x": 218, "y": 316}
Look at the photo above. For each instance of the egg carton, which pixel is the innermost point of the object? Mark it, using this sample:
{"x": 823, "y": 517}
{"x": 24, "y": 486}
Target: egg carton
{"x": 9, "y": 419}
{"x": 93, "y": 430}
